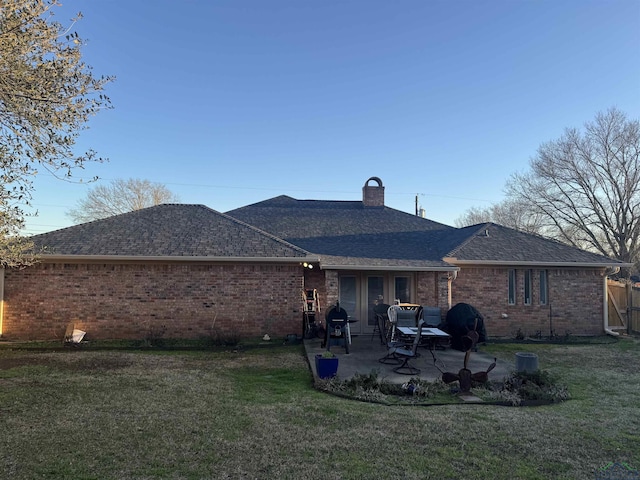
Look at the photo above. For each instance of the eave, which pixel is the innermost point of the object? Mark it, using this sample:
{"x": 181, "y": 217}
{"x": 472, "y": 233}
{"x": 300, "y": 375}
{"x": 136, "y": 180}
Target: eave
{"x": 172, "y": 259}
{"x": 387, "y": 268}
{"x": 514, "y": 263}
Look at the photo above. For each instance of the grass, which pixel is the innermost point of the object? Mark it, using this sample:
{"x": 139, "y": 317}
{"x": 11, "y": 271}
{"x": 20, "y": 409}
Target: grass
{"x": 120, "y": 414}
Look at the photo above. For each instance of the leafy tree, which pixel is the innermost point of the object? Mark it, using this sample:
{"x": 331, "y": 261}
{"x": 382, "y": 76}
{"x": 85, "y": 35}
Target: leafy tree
{"x": 585, "y": 186}
{"x": 47, "y": 94}
{"x": 120, "y": 196}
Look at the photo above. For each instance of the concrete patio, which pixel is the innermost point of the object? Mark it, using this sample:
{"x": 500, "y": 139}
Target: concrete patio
{"x": 365, "y": 352}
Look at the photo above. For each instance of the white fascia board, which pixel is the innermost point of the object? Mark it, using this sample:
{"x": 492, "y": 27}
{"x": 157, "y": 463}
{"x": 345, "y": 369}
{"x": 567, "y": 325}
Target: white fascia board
{"x": 387, "y": 268}
{"x": 171, "y": 259}
{"x": 509, "y": 263}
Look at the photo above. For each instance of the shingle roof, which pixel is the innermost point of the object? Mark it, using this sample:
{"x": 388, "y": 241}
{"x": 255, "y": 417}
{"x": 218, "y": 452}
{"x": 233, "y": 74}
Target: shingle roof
{"x": 292, "y": 218}
{"x": 341, "y": 234}
{"x": 346, "y": 233}
{"x": 495, "y": 243}
{"x": 167, "y": 230}
{"x": 349, "y": 234}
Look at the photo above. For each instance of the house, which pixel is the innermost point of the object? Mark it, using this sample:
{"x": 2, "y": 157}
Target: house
{"x": 184, "y": 268}
{"x": 195, "y": 271}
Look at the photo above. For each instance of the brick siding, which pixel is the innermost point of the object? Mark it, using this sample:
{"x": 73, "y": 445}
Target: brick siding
{"x": 127, "y": 300}
{"x": 575, "y": 301}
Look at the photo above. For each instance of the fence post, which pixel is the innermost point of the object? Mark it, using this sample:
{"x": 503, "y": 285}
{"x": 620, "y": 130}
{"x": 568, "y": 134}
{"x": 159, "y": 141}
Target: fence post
{"x": 630, "y": 311}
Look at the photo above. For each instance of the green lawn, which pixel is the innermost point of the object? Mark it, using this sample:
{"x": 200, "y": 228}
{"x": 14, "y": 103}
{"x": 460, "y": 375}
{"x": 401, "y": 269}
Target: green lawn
{"x": 89, "y": 414}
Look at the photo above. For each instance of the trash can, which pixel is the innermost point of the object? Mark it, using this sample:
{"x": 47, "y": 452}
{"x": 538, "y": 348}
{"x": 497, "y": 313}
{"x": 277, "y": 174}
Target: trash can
{"x": 526, "y": 362}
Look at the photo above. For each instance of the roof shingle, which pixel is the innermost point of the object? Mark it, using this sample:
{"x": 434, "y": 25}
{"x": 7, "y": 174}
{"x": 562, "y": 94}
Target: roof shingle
{"x": 170, "y": 230}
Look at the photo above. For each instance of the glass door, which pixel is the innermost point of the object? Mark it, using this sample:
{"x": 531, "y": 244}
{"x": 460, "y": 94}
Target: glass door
{"x": 349, "y": 299}
{"x": 375, "y": 292}
{"x": 358, "y": 293}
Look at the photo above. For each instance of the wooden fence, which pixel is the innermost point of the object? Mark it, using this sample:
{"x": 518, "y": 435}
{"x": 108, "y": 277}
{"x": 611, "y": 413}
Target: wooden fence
{"x": 624, "y": 306}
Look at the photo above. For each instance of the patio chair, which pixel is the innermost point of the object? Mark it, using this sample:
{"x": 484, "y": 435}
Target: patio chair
{"x": 392, "y": 315}
{"x": 406, "y": 318}
{"x": 381, "y": 317}
{"x": 431, "y": 316}
{"x": 405, "y": 354}
{"x": 394, "y": 341}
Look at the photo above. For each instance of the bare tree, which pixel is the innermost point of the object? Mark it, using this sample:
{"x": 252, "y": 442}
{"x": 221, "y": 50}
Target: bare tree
{"x": 120, "y": 196}
{"x": 474, "y": 216}
{"x": 47, "y": 94}
{"x": 586, "y": 186}
{"x": 510, "y": 213}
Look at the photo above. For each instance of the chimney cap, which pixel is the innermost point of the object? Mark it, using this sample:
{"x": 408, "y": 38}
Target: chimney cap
{"x": 373, "y": 196}
{"x": 375, "y": 179}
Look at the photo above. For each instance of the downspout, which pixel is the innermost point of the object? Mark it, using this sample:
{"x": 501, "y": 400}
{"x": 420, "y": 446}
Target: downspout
{"x": 607, "y": 330}
{"x": 451, "y": 278}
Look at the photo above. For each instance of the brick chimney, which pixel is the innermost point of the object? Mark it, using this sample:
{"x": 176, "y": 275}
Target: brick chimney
{"x": 373, "y": 196}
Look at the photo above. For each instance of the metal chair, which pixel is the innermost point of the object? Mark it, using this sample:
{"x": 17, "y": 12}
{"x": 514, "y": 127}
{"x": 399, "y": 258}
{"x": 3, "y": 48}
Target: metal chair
{"x": 381, "y": 318}
{"x": 431, "y": 316}
{"x": 406, "y": 318}
{"x": 391, "y": 340}
{"x": 405, "y": 354}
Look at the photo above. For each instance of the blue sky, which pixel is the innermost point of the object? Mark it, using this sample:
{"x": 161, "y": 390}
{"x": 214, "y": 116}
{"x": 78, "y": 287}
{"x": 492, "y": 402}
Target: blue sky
{"x": 230, "y": 102}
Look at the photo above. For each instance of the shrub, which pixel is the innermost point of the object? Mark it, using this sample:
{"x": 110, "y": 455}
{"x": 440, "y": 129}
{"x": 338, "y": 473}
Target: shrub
{"x": 370, "y": 387}
{"x": 522, "y": 387}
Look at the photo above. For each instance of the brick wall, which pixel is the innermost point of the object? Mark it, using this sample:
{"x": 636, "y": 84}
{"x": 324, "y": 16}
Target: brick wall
{"x": 315, "y": 279}
{"x": 575, "y": 301}
{"x": 127, "y": 300}
{"x": 432, "y": 290}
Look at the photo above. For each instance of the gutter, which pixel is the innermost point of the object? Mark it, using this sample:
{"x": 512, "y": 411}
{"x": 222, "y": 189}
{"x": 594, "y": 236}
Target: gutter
{"x": 387, "y": 268}
{"x": 605, "y": 320}
{"x": 514, "y": 263}
{"x": 172, "y": 259}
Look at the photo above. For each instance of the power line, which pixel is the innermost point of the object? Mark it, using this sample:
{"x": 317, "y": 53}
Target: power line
{"x": 285, "y": 189}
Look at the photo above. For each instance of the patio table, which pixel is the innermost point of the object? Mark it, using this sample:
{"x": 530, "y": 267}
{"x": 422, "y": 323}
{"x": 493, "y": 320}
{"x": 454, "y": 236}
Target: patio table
{"x": 431, "y": 334}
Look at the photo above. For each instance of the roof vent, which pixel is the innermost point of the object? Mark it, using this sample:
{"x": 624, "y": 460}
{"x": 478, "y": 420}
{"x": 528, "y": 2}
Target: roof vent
{"x": 373, "y": 196}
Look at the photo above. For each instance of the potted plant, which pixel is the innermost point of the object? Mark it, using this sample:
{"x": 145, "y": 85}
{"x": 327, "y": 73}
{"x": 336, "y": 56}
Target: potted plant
{"x": 326, "y": 364}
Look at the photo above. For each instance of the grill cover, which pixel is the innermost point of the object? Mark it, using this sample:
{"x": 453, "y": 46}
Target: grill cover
{"x": 460, "y": 321}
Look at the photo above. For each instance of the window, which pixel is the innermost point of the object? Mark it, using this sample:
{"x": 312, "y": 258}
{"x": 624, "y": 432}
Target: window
{"x": 402, "y": 290}
{"x": 544, "y": 289}
{"x": 375, "y": 290}
{"x": 528, "y": 286}
{"x": 348, "y": 294}
{"x": 512, "y": 287}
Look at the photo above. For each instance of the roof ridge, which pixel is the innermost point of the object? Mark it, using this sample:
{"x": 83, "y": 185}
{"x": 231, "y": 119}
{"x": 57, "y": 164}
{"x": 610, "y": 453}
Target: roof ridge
{"x": 118, "y": 215}
{"x": 473, "y": 234}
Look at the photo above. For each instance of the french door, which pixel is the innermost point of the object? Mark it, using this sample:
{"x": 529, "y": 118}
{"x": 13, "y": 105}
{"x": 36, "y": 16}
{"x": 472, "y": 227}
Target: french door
{"x": 359, "y": 293}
